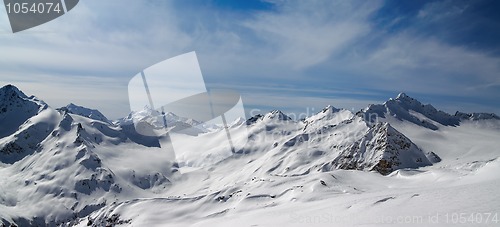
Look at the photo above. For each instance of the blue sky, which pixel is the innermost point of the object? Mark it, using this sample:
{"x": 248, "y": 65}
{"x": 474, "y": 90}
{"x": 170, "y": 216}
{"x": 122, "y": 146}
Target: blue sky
{"x": 297, "y": 56}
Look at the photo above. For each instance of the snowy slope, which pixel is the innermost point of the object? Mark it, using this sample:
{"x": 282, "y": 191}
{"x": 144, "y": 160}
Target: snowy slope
{"x": 465, "y": 181}
{"x": 74, "y": 173}
{"x": 61, "y": 167}
{"x": 282, "y": 179}
{"x": 52, "y": 167}
{"x": 334, "y": 198}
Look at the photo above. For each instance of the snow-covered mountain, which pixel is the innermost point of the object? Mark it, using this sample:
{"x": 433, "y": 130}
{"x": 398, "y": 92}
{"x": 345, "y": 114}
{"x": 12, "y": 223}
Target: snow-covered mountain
{"x": 16, "y": 108}
{"x": 332, "y": 139}
{"x": 85, "y": 112}
{"x": 476, "y": 116}
{"x": 73, "y": 167}
{"x": 384, "y": 149}
{"x": 409, "y": 109}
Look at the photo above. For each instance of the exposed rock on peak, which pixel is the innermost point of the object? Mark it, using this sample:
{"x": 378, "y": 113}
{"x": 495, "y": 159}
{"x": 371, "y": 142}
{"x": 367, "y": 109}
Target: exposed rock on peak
{"x": 407, "y": 108}
{"x": 16, "y": 108}
{"x": 383, "y": 149}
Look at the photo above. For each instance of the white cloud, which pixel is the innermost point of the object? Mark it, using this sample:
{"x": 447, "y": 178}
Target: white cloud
{"x": 303, "y": 34}
{"x": 90, "y": 54}
{"x": 440, "y": 10}
{"x": 425, "y": 65}
{"x": 90, "y": 38}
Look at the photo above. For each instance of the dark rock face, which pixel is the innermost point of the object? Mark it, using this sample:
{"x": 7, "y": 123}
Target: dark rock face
{"x": 383, "y": 149}
{"x": 16, "y": 108}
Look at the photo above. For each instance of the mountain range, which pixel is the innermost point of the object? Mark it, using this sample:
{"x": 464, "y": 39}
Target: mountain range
{"x": 72, "y": 166}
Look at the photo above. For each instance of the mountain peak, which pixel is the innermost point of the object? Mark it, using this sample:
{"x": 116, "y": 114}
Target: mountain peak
{"x": 409, "y": 109}
{"x": 16, "y": 108}
{"x": 254, "y": 119}
{"x": 383, "y": 149}
{"x": 85, "y": 112}
{"x": 277, "y": 114}
{"x": 403, "y": 95}
{"x": 273, "y": 115}
{"x": 72, "y": 105}
{"x": 329, "y": 109}
{"x": 9, "y": 86}
{"x": 328, "y": 116}
{"x": 403, "y": 98}
{"x": 10, "y": 90}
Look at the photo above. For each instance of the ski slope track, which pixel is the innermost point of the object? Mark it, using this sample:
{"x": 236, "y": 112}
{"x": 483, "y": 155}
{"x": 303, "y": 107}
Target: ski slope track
{"x": 400, "y": 163}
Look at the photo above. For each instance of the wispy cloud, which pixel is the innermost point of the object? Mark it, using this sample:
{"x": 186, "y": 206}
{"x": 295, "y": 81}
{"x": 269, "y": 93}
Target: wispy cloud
{"x": 304, "y": 34}
{"x": 326, "y": 52}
